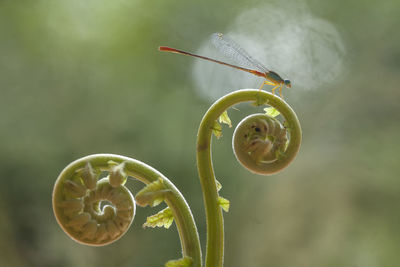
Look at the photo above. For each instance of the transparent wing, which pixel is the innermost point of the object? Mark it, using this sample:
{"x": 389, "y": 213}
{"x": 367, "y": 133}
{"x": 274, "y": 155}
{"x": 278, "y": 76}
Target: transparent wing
{"x": 233, "y": 51}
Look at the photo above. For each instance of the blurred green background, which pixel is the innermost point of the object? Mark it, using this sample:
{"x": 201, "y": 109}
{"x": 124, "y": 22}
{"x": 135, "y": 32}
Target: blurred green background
{"x": 83, "y": 77}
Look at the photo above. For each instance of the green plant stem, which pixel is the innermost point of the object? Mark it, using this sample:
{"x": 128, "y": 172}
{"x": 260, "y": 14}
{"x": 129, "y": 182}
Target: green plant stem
{"x": 182, "y": 215}
{"x": 215, "y": 228}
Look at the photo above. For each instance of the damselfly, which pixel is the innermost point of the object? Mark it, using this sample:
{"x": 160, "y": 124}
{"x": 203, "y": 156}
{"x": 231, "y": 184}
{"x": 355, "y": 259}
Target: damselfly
{"x": 232, "y": 50}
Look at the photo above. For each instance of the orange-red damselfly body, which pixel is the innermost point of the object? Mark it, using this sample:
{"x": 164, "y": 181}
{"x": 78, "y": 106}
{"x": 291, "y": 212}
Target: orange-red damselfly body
{"x": 234, "y": 51}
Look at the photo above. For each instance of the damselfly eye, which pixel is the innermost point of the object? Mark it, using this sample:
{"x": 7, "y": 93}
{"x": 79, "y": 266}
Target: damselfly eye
{"x": 288, "y": 84}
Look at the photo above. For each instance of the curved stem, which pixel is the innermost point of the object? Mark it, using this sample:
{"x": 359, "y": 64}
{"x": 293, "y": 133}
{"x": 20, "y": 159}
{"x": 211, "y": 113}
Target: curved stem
{"x": 183, "y": 217}
{"x": 215, "y": 229}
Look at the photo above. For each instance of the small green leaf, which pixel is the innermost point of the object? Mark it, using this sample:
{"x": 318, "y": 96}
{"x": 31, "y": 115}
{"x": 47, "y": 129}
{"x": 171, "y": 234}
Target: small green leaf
{"x": 162, "y": 219}
{"x": 217, "y": 129}
{"x": 184, "y": 262}
{"x": 224, "y": 203}
{"x": 219, "y": 185}
{"x": 224, "y": 118}
{"x": 152, "y": 194}
{"x": 271, "y": 111}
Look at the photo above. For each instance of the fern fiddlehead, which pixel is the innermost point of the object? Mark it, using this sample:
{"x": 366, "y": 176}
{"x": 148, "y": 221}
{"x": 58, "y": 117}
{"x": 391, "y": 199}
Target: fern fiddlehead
{"x": 97, "y": 209}
{"x": 78, "y": 197}
{"x": 261, "y": 143}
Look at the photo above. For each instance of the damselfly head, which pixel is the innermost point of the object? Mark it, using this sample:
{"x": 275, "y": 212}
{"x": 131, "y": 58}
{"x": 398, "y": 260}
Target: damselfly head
{"x": 287, "y": 83}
